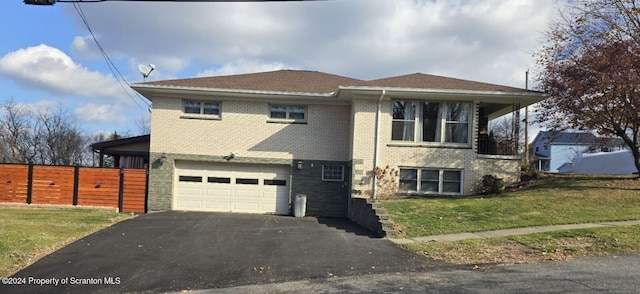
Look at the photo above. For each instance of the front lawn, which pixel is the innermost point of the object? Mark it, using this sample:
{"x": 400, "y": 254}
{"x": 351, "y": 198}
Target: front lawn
{"x": 30, "y": 233}
{"x": 551, "y": 200}
{"x": 558, "y": 245}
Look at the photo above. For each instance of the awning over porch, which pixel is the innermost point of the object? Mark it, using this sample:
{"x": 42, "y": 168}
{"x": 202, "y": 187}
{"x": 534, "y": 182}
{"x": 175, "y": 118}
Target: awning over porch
{"x": 132, "y": 152}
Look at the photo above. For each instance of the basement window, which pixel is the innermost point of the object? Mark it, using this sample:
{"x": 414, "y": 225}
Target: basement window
{"x": 333, "y": 173}
{"x": 431, "y": 181}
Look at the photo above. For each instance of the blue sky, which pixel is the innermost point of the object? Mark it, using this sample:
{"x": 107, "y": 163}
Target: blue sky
{"x": 47, "y": 56}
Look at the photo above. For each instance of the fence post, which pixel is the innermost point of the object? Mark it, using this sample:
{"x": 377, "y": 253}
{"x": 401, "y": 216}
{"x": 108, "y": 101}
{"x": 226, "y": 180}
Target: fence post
{"x": 146, "y": 188}
{"x": 76, "y": 184}
{"x": 30, "y": 183}
{"x": 121, "y": 191}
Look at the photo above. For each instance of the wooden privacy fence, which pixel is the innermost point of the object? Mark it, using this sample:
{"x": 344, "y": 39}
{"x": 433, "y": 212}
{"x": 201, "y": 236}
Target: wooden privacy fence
{"x": 125, "y": 189}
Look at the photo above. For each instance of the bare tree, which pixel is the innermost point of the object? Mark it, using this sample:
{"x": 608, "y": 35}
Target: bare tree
{"x": 16, "y": 134}
{"x": 590, "y": 69}
{"x": 506, "y": 135}
{"x": 93, "y": 158}
{"x": 60, "y": 141}
{"x": 50, "y": 136}
{"x": 144, "y": 124}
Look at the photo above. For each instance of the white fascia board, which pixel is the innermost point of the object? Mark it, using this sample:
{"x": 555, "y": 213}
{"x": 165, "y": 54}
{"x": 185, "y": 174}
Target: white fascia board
{"x": 151, "y": 91}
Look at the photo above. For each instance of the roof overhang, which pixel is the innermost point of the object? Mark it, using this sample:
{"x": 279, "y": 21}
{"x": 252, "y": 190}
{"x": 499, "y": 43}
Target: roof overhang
{"x": 137, "y": 146}
{"x": 151, "y": 91}
{"x": 501, "y": 102}
{"x": 528, "y": 98}
{"x": 495, "y": 98}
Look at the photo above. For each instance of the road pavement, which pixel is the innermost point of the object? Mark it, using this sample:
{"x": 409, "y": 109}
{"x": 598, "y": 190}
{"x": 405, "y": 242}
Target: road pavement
{"x": 608, "y": 274}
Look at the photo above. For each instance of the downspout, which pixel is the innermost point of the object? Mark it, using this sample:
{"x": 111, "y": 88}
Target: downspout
{"x": 376, "y": 146}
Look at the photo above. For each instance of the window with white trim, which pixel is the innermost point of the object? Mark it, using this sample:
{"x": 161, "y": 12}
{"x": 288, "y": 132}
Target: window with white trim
{"x": 202, "y": 108}
{"x": 427, "y": 121}
{"x": 430, "y": 181}
{"x": 288, "y": 112}
{"x": 333, "y": 173}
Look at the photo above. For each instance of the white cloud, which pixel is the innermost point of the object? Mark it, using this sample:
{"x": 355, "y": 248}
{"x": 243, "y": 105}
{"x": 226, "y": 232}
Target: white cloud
{"x": 47, "y": 68}
{"x": 486, "y": 40}
{"x": 108, "y": 113}
{"x": 242, "y": 66}
{"x": 85, "y": 47}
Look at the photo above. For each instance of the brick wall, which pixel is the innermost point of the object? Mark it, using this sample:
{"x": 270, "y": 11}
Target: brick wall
{"x": 405, "y": 154}
{"x": 362, "y": 145}
{"x": 332, "y": 133}
{"x": 324, "y": 198}
{"x": 243, "y": 128}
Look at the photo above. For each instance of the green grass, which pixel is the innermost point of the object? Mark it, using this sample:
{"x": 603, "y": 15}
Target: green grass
{"x": 552, "y": 200}
{"x": 28, "y": 234}
{"x": 585, "y": 241}
{"x": 558, "y": 245}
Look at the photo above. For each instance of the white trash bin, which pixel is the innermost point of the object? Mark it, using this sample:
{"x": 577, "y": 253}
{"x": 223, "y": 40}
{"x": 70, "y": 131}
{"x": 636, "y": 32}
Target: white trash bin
{"x": 300, "y": 205}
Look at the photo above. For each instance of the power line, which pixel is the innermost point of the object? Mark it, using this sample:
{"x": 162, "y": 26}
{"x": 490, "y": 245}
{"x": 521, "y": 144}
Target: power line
{"x": 51, "y": 2}
{"x": 112, "y": 67}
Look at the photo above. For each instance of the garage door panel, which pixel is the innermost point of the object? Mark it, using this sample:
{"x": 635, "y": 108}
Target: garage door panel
{"x": 193, "y": 204}
{"x": 232, "y": 188}
{"x": 212, "y": 198}
{"x": 247, "y": 206}
{"x": 219, "y": 192}
{"x": 190, "y": 191}
{"x": 218, "y": 205}
{"x": 246, "y": 195}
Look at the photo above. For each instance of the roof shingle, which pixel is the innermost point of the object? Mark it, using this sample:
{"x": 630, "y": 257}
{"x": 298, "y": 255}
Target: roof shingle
{"x": 425, "y": 81}
{"x": 300, "y": 81}
{"x": 292, "y": 81}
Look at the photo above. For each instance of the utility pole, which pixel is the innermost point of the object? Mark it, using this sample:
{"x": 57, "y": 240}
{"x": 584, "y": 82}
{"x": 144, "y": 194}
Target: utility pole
{"x": 526, "y": 123}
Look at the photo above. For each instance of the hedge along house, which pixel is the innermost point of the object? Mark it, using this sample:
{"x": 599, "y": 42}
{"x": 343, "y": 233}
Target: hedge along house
{"x": 252, "y": 142}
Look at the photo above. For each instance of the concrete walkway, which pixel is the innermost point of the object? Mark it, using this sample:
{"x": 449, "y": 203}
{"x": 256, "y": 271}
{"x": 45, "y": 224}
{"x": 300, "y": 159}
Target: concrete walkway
{"x": 513, "y": 232}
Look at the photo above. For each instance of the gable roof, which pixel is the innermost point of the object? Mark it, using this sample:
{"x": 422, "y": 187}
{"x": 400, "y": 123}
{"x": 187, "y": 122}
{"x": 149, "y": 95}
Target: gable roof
{"x": 567, "y": 138}
{"x": 286, "y": 81}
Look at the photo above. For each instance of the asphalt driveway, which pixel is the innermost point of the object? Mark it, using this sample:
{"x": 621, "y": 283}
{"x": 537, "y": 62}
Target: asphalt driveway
{"x": 174, "y": 251}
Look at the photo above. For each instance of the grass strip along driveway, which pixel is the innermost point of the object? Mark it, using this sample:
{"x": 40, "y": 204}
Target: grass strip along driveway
{"x": 550, "y": 200}
{"x": 31, "y": 233}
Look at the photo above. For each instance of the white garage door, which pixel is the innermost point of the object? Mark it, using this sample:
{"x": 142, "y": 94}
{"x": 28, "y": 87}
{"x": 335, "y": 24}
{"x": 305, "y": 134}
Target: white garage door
{"x": 231, "y": 188}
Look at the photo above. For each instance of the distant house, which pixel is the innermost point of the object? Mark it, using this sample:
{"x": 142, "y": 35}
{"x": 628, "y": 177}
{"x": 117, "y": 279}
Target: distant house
{"x": 554, "y": 150}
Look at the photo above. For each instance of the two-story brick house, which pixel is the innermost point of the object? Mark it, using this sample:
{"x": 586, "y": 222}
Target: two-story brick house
{"x": 252, "y": 142}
